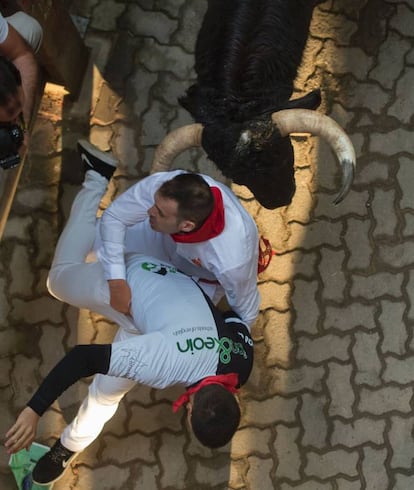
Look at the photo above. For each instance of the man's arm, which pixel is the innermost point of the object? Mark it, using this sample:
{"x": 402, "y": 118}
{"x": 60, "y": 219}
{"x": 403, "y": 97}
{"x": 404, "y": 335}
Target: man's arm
{"x": 240, "y": 286}
{"x": 80, "y": 362}
{"x": 21, "y": 55}
{"x": 123, "y": 212}
{"x": 128, "y": 209}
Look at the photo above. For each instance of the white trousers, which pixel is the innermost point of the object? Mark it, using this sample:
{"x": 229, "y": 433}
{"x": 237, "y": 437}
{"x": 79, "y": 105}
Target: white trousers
{"x": 28, "y": 27}
{"x": 104, "y": 395}
{"x": 83, "y": 285}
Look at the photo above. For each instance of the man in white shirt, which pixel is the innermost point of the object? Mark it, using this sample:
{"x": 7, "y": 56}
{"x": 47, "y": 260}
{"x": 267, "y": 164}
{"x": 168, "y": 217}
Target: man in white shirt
{"x": 192, "y": 221}
{"x": 173, "y": 335}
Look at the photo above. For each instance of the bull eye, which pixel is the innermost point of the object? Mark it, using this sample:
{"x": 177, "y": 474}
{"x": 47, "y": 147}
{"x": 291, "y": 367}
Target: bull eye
{"x": 245, "y": 137}
{"x": 242, "y": 145}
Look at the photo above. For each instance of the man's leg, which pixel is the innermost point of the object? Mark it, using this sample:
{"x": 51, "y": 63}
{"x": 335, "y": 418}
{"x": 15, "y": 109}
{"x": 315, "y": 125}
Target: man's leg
{"x": 84, "y": 285}
{"x": 97, "y": 408}
{"x": 104, "y": 395}
{"x": 102, "y": 400}
{"x": 71, "y": 279}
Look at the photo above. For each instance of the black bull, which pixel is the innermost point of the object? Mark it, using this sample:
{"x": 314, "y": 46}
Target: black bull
{"x": 247, "y": 56}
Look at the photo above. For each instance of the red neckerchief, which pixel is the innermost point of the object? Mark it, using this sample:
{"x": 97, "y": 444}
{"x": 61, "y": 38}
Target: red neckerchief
{"x": 211, "y": 227}
{"x": 227, "y": 381}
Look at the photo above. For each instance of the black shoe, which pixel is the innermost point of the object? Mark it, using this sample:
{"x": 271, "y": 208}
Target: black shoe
{"x": 94, "y": 159}
{"x": 53, "y": 464}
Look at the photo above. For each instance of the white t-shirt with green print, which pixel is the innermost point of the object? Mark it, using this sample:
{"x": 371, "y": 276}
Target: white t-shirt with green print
{"x": 184, "y": 338}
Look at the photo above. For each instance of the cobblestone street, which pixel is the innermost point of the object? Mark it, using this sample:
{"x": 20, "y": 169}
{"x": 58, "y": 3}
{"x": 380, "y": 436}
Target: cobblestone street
{"x": 329, "y": 405}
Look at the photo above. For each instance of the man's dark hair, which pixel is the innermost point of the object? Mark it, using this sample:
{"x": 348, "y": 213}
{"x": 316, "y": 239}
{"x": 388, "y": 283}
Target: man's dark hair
{"x": 215, "y": 416}
{"x": 10, "y": 80}
{"x": 193, "y": 196}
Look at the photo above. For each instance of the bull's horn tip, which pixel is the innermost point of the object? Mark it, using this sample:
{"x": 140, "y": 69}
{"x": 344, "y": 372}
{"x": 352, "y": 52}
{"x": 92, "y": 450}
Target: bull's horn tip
{"x": 349, "y": 170}
{"x": 338, "y": 200}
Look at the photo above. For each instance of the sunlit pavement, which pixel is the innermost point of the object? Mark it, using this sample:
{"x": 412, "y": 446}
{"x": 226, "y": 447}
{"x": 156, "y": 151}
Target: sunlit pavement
{"x": 329, "y": 404}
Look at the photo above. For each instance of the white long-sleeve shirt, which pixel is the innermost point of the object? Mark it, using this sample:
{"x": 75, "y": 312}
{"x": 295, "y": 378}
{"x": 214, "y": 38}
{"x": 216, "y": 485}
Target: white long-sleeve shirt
{"x": 230, "y": 258}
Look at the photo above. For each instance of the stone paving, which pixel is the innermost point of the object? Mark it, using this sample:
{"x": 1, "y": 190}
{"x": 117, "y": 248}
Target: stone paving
{"x": 329, "y": 405}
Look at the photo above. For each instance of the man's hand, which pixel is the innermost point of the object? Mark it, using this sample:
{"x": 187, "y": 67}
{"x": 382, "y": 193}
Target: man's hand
{"x": 120, "y": 295}
{"x": 23, "y": 432}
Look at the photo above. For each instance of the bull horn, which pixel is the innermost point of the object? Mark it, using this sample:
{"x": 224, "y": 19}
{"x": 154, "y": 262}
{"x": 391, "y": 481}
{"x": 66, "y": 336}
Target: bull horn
{"x": 173, "y": 144}
{"x": 290, "y": 121}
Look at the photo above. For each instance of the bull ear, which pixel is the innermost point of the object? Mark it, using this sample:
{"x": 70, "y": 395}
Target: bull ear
{"x": 173, "y": 144}
{"x": 309, "y": 101}
{"x": 304, "y": 121}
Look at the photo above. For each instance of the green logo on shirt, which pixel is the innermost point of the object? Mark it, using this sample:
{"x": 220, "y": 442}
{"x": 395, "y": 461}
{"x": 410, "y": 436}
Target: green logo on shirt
{"x": 162, "y": 269}
{"x": 225, "y": 346}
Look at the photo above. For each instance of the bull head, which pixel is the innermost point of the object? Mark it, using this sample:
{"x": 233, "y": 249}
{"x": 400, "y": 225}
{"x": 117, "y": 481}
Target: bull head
{"x": 272, "y": 185}
{"x": 247, "y": 55}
